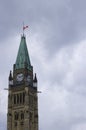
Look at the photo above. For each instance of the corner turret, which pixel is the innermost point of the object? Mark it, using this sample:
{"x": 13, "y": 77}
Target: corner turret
{"x": 35, "y": 81}
{"x": 10, "y": 78}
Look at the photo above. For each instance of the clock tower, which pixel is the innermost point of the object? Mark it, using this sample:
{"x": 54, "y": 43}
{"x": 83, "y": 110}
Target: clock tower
{"x": 22, "y": 96}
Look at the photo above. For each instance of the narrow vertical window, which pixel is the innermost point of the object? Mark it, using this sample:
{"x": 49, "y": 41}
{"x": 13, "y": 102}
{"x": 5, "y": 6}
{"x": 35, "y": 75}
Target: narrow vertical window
{"x": 23, "y": 97}
{"x": 20, "y": 98}
{"x": 16, "y": 116}
{"x": 17, "y": 98}
{"x": 14, "y": 99}
{"x": 22, "y": 115}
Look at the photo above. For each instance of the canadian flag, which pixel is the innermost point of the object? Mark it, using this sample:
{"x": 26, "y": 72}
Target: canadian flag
{"x": 24, "y": 27}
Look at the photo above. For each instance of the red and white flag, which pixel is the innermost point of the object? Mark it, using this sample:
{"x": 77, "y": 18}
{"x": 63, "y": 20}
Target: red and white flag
{"x": 24, "y": 27}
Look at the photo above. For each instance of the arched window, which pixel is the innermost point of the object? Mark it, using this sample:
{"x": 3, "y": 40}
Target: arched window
{"x": 22, "y": 115}
{"x": 17, "y": 98}
{"x": 23, "y": 97}
{"x": 20, "y": 98}
{"x": 30, "y": 115}
{"x": 14, "y": 99}
{"x": 16, "y": 116}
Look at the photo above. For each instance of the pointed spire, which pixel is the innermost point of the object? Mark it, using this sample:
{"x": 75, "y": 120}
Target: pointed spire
{"x": 35, "y": 81}
{"x": 10, "y": 76}
{"x": 23, "y": 59}
{"x": 35, "y": 78}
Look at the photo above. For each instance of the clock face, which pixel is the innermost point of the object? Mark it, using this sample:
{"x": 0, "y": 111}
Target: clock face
{"x": 20, "y": 77}
{"x": 28, "y": 78}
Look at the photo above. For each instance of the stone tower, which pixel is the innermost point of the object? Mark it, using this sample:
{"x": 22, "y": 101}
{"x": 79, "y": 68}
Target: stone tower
{"x": 22, "y": 98}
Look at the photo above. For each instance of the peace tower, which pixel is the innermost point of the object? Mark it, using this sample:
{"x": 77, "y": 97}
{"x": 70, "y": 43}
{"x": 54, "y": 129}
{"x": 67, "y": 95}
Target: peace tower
{"x": 22, "y": 93}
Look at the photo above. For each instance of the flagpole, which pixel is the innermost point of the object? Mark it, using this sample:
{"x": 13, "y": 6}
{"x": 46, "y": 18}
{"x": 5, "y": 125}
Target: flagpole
{"x": 23, "y": 28}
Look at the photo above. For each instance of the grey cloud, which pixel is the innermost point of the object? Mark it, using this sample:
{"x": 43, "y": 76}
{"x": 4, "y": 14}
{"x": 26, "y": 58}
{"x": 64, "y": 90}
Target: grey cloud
{"x": 60, "y": 22}
{"x": 60, "y": 26}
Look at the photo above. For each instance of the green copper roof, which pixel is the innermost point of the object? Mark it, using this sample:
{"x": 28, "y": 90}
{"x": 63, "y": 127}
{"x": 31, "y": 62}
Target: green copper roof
{"x": 23, "y": 59}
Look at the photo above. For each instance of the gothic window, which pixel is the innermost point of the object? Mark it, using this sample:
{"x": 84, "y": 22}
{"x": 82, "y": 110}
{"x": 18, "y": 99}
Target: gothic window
{"x": 17, "y": 98}
{"x": 23, "y": 97}
{"x": 30, "y": 116}
{"x": 20, "y": 98}
{"x": 31, "y": 100}
{"x": 16, "y": 116}
{"x": 22, "y": 115}
{"x": 14, "y": 99}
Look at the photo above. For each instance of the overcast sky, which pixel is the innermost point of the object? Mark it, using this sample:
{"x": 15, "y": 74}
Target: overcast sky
{"x": 56, "y": 40}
